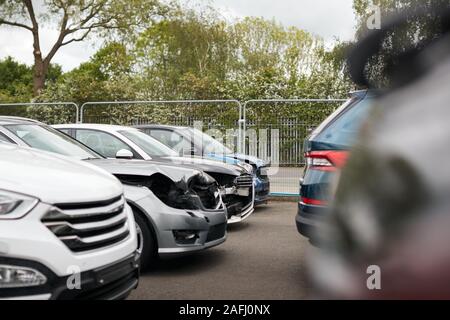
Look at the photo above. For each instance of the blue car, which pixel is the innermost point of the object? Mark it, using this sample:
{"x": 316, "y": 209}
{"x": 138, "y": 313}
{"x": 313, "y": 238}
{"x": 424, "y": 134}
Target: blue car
{"x": 189, "y": 141}
{"x": 326, "y": 152}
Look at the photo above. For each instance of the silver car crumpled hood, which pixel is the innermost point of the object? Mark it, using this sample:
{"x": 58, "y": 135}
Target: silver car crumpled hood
{"x": 206, "y": 165}
{"x": 145, "y": 168}
{"x": 52, "y": 178}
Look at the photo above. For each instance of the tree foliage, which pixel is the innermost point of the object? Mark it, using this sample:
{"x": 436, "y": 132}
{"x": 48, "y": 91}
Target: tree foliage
{"x": 16, "y": 80}
{"x": 196, "y": 56}
{"x": 416, "y": 33}
{"x": 75, "y": 20}
{"x": 199, "y": 55}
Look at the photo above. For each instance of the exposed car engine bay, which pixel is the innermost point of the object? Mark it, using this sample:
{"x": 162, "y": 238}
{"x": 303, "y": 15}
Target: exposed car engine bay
{"x": 237, "y": 192}
{"x": 199, "y": 191}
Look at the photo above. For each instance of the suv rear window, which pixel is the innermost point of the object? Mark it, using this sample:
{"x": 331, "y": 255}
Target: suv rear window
{"x": 343, "y": 129}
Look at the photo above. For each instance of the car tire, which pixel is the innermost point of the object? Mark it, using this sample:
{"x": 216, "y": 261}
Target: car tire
{"x": 146, "y": 242}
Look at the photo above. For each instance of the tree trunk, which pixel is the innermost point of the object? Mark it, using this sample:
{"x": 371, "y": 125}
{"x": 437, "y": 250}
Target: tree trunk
{"x": 40, "y": 65}
{"x": 40, "y": 73}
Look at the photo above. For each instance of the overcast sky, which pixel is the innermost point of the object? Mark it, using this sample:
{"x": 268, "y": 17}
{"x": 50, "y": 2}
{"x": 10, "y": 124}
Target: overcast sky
{"x": 326, "y": 18}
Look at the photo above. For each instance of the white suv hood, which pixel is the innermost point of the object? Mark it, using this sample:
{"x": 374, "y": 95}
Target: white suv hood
{"x": 54, "y": 179}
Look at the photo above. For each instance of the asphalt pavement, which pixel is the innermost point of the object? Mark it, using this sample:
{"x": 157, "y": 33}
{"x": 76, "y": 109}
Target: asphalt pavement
{"x": 263, "y": 258}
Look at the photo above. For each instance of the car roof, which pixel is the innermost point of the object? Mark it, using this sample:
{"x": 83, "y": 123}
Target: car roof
{"x": 5, "y": 120}
{"x": 365, "y": 93}
{"x": 93, "y": 126}
{"x": 159, "y": 126}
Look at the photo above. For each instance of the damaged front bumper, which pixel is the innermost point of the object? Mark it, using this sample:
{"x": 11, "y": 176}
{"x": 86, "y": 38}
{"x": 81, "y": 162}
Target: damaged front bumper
{"x": 179, "y": 231}
{"x": 246, "y": 204}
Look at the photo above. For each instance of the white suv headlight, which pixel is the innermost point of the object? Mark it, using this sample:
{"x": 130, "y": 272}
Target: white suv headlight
{"x": 14, "y": 205}
{"x": 17, "y": 277}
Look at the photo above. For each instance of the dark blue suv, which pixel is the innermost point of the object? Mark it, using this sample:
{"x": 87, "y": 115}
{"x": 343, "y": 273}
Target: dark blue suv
{"x": 326, "y": 152}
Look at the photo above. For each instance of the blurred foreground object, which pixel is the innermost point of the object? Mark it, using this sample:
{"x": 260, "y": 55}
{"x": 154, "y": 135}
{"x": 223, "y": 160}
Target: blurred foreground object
{"x": 389, "y": 230}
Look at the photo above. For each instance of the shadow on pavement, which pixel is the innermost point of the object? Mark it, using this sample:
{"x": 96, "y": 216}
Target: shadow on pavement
{"x": 187, "y": 264}
{"x": 239, "y": 227}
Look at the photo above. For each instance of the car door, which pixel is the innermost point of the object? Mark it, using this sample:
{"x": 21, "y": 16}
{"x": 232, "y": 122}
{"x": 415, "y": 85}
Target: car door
{"x": 103, "y": 143}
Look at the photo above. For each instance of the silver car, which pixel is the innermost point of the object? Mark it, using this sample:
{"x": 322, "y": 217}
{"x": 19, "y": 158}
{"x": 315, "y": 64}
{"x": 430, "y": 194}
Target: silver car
{"x": 236, "y": 180}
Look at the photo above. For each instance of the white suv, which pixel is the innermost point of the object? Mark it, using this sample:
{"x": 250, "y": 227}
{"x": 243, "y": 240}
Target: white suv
{"x": 66, "y": 231}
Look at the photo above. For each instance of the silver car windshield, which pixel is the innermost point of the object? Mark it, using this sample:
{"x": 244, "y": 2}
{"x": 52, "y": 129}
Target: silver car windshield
{"x": 51, "y": 140}
{"x": 151, "y": 146}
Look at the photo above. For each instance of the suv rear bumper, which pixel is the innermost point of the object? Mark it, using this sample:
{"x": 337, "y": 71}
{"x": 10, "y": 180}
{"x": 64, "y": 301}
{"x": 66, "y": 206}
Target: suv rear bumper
{"x": 112, "y": 282}
{"x": 310, "y": 220}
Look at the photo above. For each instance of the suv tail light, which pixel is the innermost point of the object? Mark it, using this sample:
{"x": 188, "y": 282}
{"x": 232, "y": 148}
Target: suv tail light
{"x": 313, "y": 202}
{"x": 326, "y": 160}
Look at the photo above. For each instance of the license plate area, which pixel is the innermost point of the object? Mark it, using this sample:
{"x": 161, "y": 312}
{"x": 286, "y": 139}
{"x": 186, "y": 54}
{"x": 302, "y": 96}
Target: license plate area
{"x": 243, "y": 192}
{"x": 117, "y": 271}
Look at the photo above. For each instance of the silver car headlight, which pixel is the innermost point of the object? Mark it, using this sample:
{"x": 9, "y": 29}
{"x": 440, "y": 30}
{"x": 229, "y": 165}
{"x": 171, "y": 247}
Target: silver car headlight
{"x": 248, "y": 167}
{"x": 14, "y": 205}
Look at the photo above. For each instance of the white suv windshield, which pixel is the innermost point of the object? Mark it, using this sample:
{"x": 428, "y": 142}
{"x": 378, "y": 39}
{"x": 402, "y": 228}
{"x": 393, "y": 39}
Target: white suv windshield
{"x": 51, "y": 140}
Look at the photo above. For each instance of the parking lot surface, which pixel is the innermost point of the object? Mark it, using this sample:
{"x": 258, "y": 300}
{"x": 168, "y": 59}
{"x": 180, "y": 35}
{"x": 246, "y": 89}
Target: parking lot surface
{"x": 285, "y": 180}
{"x": 263, "y": 258}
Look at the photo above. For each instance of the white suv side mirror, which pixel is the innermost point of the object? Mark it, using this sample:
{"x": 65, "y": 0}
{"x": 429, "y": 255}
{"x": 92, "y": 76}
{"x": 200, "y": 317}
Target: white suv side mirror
{"x": 124, "y": 154}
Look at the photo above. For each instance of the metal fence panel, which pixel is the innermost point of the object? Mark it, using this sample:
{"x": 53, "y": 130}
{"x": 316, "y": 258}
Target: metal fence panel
{"x": 48, "y": 112}
{"x": 277, "y": 124}
{"x": 222, "y": 115}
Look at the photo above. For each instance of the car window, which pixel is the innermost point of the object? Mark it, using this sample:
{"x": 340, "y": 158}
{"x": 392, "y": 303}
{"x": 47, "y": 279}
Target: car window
{"x": 210, "y": 144}
{"x": 335, "y": 114}
{"x": 343, "y": 130}
{"x": 4, "y": 138}
{"x": 51, "y": 140}
{"x": 146, "y": 130}
{"x": 148, "y": 144}
{"x": 171, "y": 139}
{"x": 104, "y": 143}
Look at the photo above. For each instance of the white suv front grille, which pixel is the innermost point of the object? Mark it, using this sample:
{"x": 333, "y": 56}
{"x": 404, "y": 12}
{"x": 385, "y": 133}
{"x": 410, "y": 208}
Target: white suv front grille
{"x": 88, "y": 226}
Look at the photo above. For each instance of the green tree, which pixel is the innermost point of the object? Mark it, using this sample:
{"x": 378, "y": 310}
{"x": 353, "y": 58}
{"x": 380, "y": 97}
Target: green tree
{"x": 16, "y": 80}
{"x": 75, "y": 20}
{"x": 200, "y": 56}
{"x": 106, "y": 76}
{"x": 188, "y": 47}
